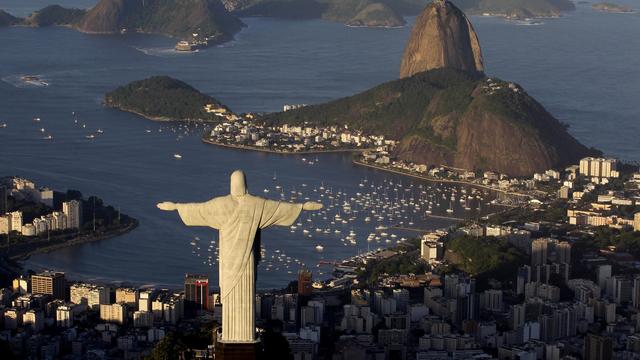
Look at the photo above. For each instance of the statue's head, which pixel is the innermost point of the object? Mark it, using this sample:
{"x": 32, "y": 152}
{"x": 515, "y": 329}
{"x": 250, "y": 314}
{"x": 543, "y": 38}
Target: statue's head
{"x": 238, "y": 183}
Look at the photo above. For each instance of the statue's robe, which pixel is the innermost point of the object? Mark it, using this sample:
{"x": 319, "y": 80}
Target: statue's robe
{"x": 238, "y": 218}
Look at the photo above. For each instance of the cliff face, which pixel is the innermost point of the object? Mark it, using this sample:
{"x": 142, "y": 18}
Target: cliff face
{"x": 491, "y": 135}
{"x": 178, "y": 18}
{"x": 442, "y": 37}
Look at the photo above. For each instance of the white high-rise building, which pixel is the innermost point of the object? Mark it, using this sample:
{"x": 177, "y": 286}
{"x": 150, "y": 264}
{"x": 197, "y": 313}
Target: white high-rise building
{"x": 539, "y": 251}
{"x": 604, "y": 274}
{"x": 34, "y": 319}
{"x": 115, "y": 313}
{"x": 16, "y": 221}
{"x": 599, "y": 167}
{"x": 90, "y": 295}
{"x": 73, "y": 210}
{"x": 64, "y": 316}
{"x": 143, "y": 319}
{"x": 5, "y": 224}
{"x": 58, "y": 221}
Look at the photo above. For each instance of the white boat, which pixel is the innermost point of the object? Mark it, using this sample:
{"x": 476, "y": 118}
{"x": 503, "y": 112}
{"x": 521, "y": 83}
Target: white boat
{"x": 100, "y": 131}
{"x": 4, "y": 125}
{"x": 48, "y": 137}
{"x": 319, "y": 247}
{"x": 90, "y": 136}
{"x": 177, "y": 156}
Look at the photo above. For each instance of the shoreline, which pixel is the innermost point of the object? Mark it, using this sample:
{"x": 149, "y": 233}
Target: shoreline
{"x": 155, "y": 118}
{"x": 14, "y": 261}
{"x": 435, "y": 180}
{"x": 265, "y": 150}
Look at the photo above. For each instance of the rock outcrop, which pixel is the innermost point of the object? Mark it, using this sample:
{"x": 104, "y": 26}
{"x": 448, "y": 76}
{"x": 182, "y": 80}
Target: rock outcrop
{"x": 442, "y": 37}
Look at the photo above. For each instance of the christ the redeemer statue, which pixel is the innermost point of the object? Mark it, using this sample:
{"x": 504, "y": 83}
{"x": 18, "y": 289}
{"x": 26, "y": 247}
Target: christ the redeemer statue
{"x": 238, "y": 216}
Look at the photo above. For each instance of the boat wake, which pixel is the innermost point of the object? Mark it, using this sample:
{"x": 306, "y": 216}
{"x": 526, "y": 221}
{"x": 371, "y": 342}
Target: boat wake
{"x": 163, "y": 52}
{"x": 26, "y": 81}
{"x": 526, "y": 22}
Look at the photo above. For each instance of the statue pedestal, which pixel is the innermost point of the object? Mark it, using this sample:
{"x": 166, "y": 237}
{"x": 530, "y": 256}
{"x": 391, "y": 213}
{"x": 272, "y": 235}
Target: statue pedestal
{"x": 236, "y": 351}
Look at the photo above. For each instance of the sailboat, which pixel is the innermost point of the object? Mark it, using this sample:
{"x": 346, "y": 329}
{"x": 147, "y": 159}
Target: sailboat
{"x": 450, "y": 209}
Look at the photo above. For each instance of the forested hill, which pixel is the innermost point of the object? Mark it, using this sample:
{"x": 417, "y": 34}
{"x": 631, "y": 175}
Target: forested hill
{"x": 162, "y": 98}
{"x": 446, "y": 116}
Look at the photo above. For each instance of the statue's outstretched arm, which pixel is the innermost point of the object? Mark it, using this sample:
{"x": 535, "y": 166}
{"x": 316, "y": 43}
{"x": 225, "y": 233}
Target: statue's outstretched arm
{"x": 311, "y": 206}
{"x": 167, "y": 206}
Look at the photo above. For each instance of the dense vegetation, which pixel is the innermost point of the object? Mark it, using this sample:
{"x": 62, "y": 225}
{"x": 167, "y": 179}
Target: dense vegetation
{"x": 484, "y": 256}
{"x": 603, "y": 236}
{"x": 394, "y": 108}
{"x": 55, "y": 15}
{"x": 407, "y": 261}
{"x": 162, "y": 98}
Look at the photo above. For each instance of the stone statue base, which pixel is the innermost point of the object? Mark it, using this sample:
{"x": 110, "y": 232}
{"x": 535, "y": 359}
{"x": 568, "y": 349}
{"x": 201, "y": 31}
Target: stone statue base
{"x": 236, "y": 351}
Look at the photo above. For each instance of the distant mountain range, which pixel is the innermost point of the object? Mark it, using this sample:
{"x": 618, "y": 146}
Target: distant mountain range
{"x": 389, "y": 11}
{"x": 175, "y": 18}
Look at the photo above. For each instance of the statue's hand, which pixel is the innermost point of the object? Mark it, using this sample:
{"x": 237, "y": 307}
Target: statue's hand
{"x": 167, "y": 206}
{"x": 312, "y": 206}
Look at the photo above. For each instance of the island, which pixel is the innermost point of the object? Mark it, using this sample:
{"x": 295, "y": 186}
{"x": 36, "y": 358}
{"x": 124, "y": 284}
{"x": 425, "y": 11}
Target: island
{"x": 163, "y": 98}
{"x": 199, "y": 22}
{"x": 611, "y": 7}
{"x": 37, "y": 219}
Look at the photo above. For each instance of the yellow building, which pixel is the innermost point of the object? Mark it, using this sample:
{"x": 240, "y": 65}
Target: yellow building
{"x": 49, "y": 283}
{"x": 114, "y": 313}
{"x": 128, "y": 296}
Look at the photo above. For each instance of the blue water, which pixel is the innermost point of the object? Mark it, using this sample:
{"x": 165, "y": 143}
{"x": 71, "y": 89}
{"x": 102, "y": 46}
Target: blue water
{"x": 571, "y": 65}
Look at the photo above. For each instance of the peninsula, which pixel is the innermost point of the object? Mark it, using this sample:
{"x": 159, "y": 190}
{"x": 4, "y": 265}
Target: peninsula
{"x": 37, "y": 219}
{"x": 166, "y": 99}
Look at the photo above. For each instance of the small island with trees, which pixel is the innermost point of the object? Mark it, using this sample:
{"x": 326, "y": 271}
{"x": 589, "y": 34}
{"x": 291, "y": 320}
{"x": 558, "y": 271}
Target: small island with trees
{"x": 611, "y": 7}
{"x": 163, "y": 98}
